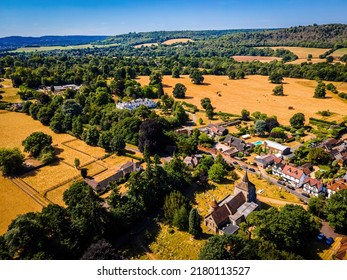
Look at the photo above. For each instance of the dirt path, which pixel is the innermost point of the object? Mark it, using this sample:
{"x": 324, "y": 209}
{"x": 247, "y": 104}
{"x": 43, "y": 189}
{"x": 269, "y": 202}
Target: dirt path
{"x": 277, "y": 201}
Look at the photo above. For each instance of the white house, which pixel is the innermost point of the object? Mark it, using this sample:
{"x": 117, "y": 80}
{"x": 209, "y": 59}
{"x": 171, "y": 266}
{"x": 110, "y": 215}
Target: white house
{"x": 313, "y": 186}
{"x": 335, "y": 186}
{"x": 134, "y": 104}
{"x": 291, "y": 174}
{"x": 276, "y": 148}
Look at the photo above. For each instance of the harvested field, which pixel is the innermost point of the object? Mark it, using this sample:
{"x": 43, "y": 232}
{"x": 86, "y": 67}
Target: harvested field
{"x": 115, "y": 161}
{"x": 340, "y": 52}
{"x": 255, "y": 94}
{"x": 82, "y": 147}
{"x": 249, "y": 58}
{"x": 302, "y": 52}
{"x": 178, "y": 40}
{"x": 94, "y": 168}
{"x": 15, "y": 127}
{"x": 49, "y": 176}
{"x": 145, "y": 45}
{"x": 9, "y": 92}
{"x": 302, "y": 60}
{"x": 13, "y": 202}
{"x": 63, "y": 48}
{"x": 56, "y": 195}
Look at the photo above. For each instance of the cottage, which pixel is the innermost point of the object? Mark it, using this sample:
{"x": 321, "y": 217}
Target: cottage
{"x": 214, "y": 130}
{"x": 276, "y": 148}
{"x": 264, "y": 161}
{"x": 100, "y": 182}
{"x": 341, "y": 250}
{"x": 193, "y": 160}
{"x": 313, "y": 186}
{"x": 335, "y": 186}
{"x": 237, "y": 143}
{"x": 293, "y": 175}
{"x": 226, "y": 215}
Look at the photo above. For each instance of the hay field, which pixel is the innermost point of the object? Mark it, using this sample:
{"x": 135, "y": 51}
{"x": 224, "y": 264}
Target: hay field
{"x": 250, "y": 58}
{"x": 301, "y": 60}
{"x": 9, "y": 92}
{"x": 13, "y": 202}
{"x": 178, "y": 40}
{"x": 50, "y": 175}
{"x": 255, "y": 94}
{"x": 79, "y": 145}
{"x": 302, "y": 52}
{"x": 56, "y": 195}
{"x": 339, "y": 52}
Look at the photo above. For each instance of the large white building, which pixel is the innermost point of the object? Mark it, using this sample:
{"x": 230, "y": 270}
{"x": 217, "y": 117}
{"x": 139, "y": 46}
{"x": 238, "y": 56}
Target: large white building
{"x": 134, "y": 104}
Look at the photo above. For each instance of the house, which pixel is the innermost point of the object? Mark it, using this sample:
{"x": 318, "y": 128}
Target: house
{"x": 328, "y": 144}
{"x": 58, "y": 89}
{"x": 335, "y": 186}
{"x": 100, "y": 182}
{"x": 215, "y": 130}
{"x": 313, "y": 186}
{"x": 184, "y": 130}
{"x": 291, "y": 174}
{"x": 193, "y": 160}
{"x": 227, "y": 214}
{"x": 264, "y": 161}
{"x": 134, "y": 104}
{"x": 237, "y": 143}
{"x": 276, "y": 148}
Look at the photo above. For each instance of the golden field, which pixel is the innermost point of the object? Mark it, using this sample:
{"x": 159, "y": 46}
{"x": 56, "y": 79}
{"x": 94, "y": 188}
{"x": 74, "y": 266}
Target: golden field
{"x": 339, "y": 52}
{"x": 302, "y": 52}
{"x": 178, "y": 40}
{"x": 255, "y": 94}
{"x": 13, "y": 202}
{"x": 145, "y": 45}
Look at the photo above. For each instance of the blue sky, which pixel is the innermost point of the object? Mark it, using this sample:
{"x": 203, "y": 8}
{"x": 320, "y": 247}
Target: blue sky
{"x": 107, "y": 17}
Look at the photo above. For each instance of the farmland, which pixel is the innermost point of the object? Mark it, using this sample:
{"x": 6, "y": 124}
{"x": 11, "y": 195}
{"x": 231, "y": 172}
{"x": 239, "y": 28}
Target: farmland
{"x": 249, "y": 58}
{"x": 339, "y": 52}
{"x": 62, "y": 48}
{"x": 178, "y": 40}
{"x": 255, "y": 94}
{"x": 51, "y": 180}
{"x": 302, "y": 52}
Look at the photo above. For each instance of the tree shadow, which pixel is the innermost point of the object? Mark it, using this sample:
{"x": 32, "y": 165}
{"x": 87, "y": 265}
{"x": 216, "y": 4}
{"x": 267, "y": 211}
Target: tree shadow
{"x": 166, "y": 86}
{"x": 58, "y": 151}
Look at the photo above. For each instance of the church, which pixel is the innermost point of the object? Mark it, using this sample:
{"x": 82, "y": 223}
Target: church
{"x": 227, "y": 214}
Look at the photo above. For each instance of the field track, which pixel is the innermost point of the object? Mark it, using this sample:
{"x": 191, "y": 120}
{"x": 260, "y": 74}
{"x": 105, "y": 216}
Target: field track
{"x": 30, "y": 191}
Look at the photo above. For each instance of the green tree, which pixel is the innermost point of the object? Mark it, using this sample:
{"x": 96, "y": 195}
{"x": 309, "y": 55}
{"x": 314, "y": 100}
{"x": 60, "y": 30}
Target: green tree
{"x": 336, "y": 211}
{"x": 151, "y": 136}
{"x": 209, "y": 111}
{"x": 45, "y": 114}
{"x": 318, "y": 156}
{"x": 278, "y": 90}
{"x": 260, "y": 127}
{"x": 175, "y": 72}
{"x": 84, "y": 172}
{"x": 227, "y": 247}
{"x": 71, "y": 107}
{"x": 196, "y": 76}
{"x": 204, "y": 102}
{"x": 10, "y": 160}
{"x": 316, "y": 205}
{"x": 276, "y": 77}
{"x": 36, "y": 142}
{"x": 91, "y": 136}
{"x": 195, "y": 223}
{"x": 278, "y": 132}
{"x": 320, "y": 91}
{"x": 179, "y": 91}
{"x": 117, "y": 144}
{"x": 217, "y": 172}
{"x": 77, "y": 163}
{"x": 155, "y": 78}
{"x": 172, "y": 205}
{"x": 245, "y": 115}
{"x": 180, "y": 219}
{"x": 297, "y": 120}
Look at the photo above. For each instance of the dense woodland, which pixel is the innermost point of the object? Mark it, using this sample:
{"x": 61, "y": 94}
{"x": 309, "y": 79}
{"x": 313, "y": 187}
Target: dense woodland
{"x": 85, "y": 229}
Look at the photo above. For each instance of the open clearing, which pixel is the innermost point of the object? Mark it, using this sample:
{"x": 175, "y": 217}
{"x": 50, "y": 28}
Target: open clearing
{"x": 340, "y": 52}
{"x": 250, "y": 58}
{"x": 302, "y": 52}
{"x": 13, "y": 202}
{"x": 178, "y": 40}
{"x": 255, "y": 94}
{"x": 62, "y": 48}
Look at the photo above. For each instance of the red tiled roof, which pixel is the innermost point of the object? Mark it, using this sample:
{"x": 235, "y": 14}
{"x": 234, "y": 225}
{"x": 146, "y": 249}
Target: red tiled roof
{"x": 236, "y": 202}
{"x": 220, "y": 215}
{"x": 292, "y": 171}
{"x": 337, "y": 186}
{"x": 313, "y": 182}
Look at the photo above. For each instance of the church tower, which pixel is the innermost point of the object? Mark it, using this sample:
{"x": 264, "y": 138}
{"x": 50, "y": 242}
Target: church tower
{"x": 247, "y": 188}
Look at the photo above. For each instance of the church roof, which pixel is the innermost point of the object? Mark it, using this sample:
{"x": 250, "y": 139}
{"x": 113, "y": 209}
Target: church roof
{"x": 236, "y": 202}
{"x": 245, "y": 184}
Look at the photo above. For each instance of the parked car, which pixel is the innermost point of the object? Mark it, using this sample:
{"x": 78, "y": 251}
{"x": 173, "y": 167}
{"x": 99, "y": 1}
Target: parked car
{"x": 329, "y": 241}
{"x": 235, "y": 163}
{"x": 306, "y": 194}
{"x": 280, "y": 182}
{"x": 321, "y": 237}
{"x": 251, "y": 169}
{"x": 291, "y": 187}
